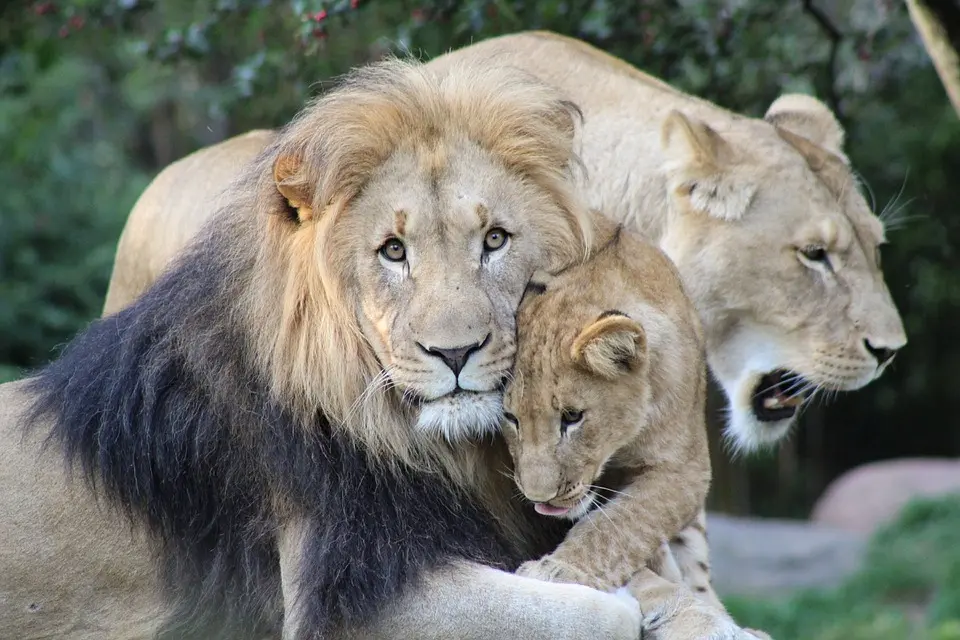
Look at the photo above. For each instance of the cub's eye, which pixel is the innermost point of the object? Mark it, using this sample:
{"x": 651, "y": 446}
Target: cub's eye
{"x": 509, "y": 417}
{"x": 495, "y": 239}
{"x": 570, "y": 418}
{"x": 815, "y": 253}
{"x": 393, "y": 250}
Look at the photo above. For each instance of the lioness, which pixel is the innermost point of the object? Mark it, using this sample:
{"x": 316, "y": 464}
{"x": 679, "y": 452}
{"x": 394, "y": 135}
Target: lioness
{"x": 259, "y": 437}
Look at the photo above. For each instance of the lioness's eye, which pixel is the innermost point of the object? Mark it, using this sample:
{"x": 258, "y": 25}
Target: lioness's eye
{"x": 509, "y": 417}
{"x": 393, "y": 250}
{"x": 570, "y": 418}
{"x": 495, "y": 239}
{"x": 814, "y": 253}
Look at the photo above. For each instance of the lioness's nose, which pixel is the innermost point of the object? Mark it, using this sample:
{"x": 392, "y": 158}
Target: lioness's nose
{"x": 455, "y": 357}
{"x": 882, "y": 354}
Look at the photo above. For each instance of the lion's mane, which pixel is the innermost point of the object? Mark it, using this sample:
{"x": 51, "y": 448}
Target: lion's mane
{"x": 232, "y": 396}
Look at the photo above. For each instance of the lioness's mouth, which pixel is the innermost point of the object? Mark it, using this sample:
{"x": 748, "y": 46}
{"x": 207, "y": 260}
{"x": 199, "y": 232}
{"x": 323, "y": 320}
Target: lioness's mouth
{"x": 778, "y": 395}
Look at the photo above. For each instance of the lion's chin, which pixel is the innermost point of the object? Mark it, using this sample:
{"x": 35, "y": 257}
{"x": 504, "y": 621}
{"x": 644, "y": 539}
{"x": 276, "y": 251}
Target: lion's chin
{"x": 461, "y": 415}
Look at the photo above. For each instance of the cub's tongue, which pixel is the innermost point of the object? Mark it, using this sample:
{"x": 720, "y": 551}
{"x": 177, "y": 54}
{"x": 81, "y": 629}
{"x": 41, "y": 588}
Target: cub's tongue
{"x": 546, "y": 510}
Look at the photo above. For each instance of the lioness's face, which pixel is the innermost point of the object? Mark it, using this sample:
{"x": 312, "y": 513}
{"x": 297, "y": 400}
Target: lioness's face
{"x": 445, "y": 246}
{"x": 791, "y": 293}
{"x": 579, "y": 395}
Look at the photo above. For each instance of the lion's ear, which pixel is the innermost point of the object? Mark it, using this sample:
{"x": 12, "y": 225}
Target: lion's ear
{"x": 611, "y": 345}
{"x": 291, "y": 185}
{"x": 807, "y": 117}
{"x": 699, "y": 168}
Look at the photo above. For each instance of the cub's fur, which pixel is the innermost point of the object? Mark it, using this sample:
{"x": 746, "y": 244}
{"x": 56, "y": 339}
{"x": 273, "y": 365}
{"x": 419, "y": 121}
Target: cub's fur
{"x": 605, "y": 419}
{"x": 605, "y": 416}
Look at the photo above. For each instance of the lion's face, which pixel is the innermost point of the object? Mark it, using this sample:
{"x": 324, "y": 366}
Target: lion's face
{"x": 781, "y": 254}
{"x": 441, "y": 258}
{"x": 580, "y": 394}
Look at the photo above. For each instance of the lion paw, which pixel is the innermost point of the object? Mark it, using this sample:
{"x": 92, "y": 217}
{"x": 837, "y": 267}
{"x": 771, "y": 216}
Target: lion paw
{"x": 551, "y": 570}
{"x": 690, "y": 618}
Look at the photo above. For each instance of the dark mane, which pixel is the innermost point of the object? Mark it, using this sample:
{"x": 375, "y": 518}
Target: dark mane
{"x": 164, "y": 411}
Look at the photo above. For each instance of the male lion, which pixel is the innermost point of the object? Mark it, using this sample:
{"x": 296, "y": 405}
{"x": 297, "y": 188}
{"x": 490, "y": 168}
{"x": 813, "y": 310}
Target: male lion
{"x": 267, "y": 414}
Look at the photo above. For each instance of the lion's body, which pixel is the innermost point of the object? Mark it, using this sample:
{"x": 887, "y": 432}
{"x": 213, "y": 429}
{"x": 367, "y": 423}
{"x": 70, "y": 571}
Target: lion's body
{"x": 171, "y": 211}
{"x": 71, "y": 568}
{"x": 255, "y": 473}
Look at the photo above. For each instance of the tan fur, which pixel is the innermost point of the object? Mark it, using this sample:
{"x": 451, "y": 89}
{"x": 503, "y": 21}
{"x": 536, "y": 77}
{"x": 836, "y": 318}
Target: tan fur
{"x": 616, "y": 341}
{"x": 172, "y": 209}
{"x": 334, "y": 329}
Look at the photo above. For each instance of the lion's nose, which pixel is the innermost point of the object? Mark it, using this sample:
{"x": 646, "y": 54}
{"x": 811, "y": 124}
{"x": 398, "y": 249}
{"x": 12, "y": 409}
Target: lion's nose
{"x": 455, "y": 357}
{"x": 882, "y": 354}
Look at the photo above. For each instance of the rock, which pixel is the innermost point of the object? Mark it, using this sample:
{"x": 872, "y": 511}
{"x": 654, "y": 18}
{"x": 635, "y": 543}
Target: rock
{"x": 871, "y": 495}
{"x": 772, "y": 557}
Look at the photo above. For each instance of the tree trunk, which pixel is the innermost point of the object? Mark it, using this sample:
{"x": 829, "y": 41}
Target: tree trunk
{"x": 938, "y": 22}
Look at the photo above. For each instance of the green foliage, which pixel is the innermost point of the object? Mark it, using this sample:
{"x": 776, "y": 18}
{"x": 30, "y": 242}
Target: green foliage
{"x": 909, "y": 587}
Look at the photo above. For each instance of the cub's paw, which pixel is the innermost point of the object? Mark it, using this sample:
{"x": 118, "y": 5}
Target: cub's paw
{"x": 550, "y": 570}
{"x": 689, "y": 618}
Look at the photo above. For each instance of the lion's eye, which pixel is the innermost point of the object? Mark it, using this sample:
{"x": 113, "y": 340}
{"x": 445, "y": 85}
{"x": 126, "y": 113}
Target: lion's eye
{"x": 393, "y": 250}
{"x": 495, "y": 239}
{"x": 815, "y": 253}
{"x": 509, "y": 417}
{"x": 570, "y": 418}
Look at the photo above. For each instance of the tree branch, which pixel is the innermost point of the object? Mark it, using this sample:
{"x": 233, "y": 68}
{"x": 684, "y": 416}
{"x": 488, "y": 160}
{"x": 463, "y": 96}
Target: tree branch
{"x": 835, "y": 37}
{"x": 938, "y": 22}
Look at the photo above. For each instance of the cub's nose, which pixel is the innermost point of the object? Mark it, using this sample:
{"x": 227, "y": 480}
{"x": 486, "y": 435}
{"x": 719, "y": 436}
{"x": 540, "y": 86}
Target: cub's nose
{"x": 456, "y": 357}
{"x": 882, "y": 354}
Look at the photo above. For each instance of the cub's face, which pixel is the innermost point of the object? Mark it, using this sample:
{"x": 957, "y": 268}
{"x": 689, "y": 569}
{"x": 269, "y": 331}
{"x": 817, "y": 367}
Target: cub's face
{"x": 444, "y": 246}
{"x": 579, "y": 395}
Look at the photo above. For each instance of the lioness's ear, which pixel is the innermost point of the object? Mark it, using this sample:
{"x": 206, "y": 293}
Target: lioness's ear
{"x": 699, "y": 168}
{"x": 611, "y": 345}
{"x": 808, "y": 118}
{"x": 290, "y": 184}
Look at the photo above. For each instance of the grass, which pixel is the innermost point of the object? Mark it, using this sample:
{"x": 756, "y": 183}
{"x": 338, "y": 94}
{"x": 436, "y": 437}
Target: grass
{"x": 908, "y": 588}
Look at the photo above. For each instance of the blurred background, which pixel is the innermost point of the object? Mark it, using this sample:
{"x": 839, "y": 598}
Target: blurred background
{"x": 96, "y": 96}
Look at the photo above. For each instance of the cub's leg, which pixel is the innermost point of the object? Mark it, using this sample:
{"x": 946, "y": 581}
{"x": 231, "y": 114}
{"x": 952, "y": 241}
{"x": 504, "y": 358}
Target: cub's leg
{"x": 671, "y": 612}
{"x": 469, "y": 601}
{"x": 692, "y": 555}
{"x": 688, "y": 556}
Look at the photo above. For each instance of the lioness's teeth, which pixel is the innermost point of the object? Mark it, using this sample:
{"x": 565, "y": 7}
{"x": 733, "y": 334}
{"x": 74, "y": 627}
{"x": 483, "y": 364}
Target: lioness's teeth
{"x": 780, "y": 402}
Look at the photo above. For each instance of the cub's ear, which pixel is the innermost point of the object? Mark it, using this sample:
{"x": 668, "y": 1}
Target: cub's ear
{"x": 292, "y": 186}
{"x": 701, "y": 168}
{"x": 807, "y": 117}
{"x": 611, "y": 345}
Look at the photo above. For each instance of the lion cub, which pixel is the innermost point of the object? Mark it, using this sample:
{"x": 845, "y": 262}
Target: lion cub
{"x": 605, "y": 415}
